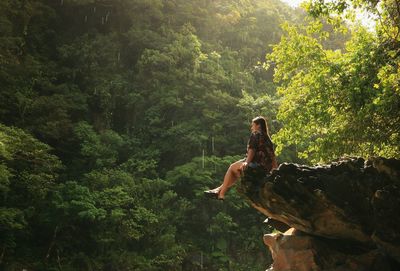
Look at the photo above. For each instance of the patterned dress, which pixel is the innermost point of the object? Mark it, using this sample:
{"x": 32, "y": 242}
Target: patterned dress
{"x": 264, "y": 151}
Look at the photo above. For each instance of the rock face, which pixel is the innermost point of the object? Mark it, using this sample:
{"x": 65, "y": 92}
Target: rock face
{"x": 295, "y": 250}
{"x": 346, "y": 215}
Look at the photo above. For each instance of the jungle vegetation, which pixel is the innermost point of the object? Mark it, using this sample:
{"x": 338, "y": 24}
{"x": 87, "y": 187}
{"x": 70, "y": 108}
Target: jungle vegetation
{"x": 115, "y": 115}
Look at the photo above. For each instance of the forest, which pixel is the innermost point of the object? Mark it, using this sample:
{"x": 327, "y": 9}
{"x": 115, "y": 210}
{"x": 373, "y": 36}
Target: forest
{"x": 115, "y": 115}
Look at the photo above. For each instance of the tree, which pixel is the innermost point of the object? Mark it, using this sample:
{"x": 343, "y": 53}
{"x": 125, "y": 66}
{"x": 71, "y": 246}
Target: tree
{"x": 28, "y": 175}
{"x": 336, "y": 103}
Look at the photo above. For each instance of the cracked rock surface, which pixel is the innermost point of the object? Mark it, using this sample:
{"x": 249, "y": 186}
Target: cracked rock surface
{"x": 346, "y": 214}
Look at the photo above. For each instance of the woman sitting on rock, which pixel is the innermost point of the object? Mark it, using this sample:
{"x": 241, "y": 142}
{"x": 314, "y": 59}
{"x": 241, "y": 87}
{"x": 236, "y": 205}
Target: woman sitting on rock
{"x": 260, "y": 152}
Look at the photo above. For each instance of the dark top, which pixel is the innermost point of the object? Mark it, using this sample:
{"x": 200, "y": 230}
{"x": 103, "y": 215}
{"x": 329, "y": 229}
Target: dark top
{"x": 264, "y": 150}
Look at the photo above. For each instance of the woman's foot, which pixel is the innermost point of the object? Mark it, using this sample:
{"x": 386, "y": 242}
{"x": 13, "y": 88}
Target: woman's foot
{"x": 213, "y": 194}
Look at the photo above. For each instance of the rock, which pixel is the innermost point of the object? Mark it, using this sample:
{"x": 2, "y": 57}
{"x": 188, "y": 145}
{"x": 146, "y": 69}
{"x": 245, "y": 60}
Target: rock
{"x": 297, "y": 251}
{"x": 291, "y": 252}
{"x": 385, "y": 204}
{"x": 349, "y": 201}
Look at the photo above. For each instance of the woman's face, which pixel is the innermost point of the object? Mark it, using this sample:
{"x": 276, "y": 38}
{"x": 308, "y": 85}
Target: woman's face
{"x": 254, "y": 127}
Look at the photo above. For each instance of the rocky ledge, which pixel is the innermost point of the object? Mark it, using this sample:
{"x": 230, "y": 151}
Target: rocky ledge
{"x": 342, "y": 216}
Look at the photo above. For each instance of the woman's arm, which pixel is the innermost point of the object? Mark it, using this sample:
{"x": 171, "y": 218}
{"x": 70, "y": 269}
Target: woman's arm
{"x": 251, "y": 149}
{"x": 250, "y": 155}
{"x": 249, "y": 158}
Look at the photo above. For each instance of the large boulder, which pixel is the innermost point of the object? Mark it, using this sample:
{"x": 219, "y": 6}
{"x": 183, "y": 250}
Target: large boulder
{"x": 297, "y": 251}
{"x": 349, "y": 201}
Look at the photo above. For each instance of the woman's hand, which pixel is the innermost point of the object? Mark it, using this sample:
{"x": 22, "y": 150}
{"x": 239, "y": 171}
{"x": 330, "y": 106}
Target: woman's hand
{"x": 243, "y": 166}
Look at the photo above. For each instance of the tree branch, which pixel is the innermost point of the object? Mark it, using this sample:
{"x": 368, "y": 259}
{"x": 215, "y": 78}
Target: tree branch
{"x": 53, "y": 241}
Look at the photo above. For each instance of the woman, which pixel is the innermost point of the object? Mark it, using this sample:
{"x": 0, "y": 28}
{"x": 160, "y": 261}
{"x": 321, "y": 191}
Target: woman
{"x": 260, "y": 152}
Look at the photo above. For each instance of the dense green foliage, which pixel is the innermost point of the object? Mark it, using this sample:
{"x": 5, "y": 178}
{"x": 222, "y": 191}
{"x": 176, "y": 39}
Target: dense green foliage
{"x": 116, "y": 115}
{"x": 115, "y": 103}
{"x": 338, "y": 102}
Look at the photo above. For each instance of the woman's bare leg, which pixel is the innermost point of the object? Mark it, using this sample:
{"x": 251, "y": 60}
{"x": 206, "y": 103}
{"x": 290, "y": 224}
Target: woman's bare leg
{"x": 231, "y": 176}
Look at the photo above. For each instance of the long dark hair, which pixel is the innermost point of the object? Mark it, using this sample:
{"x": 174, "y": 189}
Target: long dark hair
{"x": 263, "y": 124}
